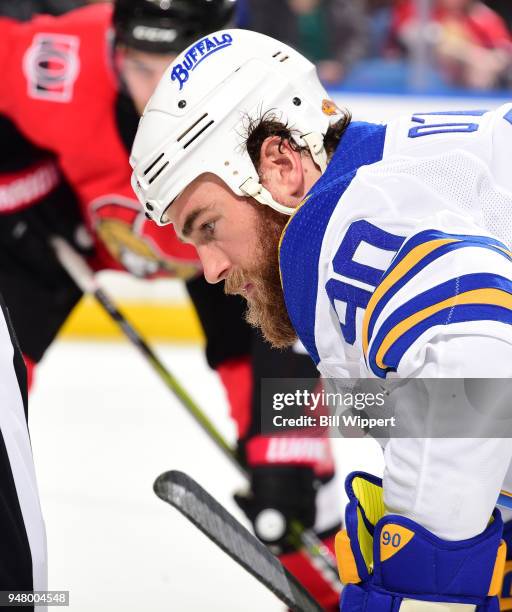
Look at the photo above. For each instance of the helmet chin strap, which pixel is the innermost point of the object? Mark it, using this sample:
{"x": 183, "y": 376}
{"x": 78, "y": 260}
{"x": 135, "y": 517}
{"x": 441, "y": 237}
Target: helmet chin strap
{"x": 254, "y": 189}
{"x": 315, "y": 143}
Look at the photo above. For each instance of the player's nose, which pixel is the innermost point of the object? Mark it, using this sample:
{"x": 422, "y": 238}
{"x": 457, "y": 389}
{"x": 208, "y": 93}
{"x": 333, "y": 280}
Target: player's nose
{"x": 216, "y": 265}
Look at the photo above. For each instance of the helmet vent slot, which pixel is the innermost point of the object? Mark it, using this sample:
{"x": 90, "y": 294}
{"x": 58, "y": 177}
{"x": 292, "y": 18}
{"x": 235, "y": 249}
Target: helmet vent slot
{"x": 190, "y": 128}
{"x": 158, "y": 172}
{"x": 197, "y": 134}
{"x": 280, "y": 56}
{"x": 153, "y": 163}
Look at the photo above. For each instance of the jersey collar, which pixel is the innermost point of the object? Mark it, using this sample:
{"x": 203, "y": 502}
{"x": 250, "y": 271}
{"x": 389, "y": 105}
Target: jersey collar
{"x": 302, "y": 237}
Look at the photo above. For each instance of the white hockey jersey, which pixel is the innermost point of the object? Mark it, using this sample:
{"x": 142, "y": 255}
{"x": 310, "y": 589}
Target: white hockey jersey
{"x": 403, "y": 242}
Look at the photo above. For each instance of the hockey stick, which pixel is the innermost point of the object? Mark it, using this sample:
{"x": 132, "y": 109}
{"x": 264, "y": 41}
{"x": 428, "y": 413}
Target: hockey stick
{"x": 318, "y": 554}
{"x": 201, "y": 509}
{"x": 84, "y": 277}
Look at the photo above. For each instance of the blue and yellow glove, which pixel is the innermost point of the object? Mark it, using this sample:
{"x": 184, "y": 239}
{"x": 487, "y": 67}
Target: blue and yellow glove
{"x": 390, "y": 563}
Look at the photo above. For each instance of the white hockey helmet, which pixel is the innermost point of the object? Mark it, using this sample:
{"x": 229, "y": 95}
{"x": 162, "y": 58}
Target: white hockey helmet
{"x": 196, "y": 120}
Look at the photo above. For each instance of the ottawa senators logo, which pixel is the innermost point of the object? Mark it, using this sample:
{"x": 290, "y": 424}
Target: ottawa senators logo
{"x": 51, "y": 65}
{"x": 139, "y": 245}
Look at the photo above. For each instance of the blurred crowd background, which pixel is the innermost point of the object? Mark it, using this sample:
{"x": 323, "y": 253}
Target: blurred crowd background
{"x": 395, "y": 45}
{"x": 422, "y": 46}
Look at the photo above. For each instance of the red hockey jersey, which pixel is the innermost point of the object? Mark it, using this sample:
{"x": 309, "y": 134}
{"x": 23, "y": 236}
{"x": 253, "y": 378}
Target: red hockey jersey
{"x": 59, "y": 87}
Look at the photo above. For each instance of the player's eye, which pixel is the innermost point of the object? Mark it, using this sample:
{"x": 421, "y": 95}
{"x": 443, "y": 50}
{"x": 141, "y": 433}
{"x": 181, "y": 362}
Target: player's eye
{"x": 138, "y": 66}
{"x": 144, "y": 70}
{"x": 208, "y": 229}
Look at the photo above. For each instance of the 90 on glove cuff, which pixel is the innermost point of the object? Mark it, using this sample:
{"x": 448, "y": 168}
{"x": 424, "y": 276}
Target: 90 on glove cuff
{"x": 390, "y": 561}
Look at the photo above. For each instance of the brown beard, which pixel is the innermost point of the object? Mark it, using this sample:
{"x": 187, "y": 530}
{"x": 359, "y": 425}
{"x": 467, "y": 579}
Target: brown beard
{"x": 266, "y": 308}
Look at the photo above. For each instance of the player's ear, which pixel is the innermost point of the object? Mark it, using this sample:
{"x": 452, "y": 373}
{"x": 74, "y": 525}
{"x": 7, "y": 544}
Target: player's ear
{"x": 280, "y": 166}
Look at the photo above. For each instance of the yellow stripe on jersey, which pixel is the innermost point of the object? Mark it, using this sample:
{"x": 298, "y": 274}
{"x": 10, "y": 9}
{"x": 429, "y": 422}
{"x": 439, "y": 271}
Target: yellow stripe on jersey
{"x": 408, "y": 262}
{"x": 506, "y": 251}
{"x": 494, "y": 297}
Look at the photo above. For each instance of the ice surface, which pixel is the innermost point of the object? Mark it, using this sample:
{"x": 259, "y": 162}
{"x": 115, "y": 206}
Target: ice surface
{"x": 103, "y": 427}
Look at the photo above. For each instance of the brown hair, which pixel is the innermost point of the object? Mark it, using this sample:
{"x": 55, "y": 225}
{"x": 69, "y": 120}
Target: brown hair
{"x": 268, "y": 124}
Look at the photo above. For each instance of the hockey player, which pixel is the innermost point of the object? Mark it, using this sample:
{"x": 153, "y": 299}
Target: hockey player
{"x": 30, "y": 175}
{"x": 74, "y": 87}
{"x": 395, "y": 262}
